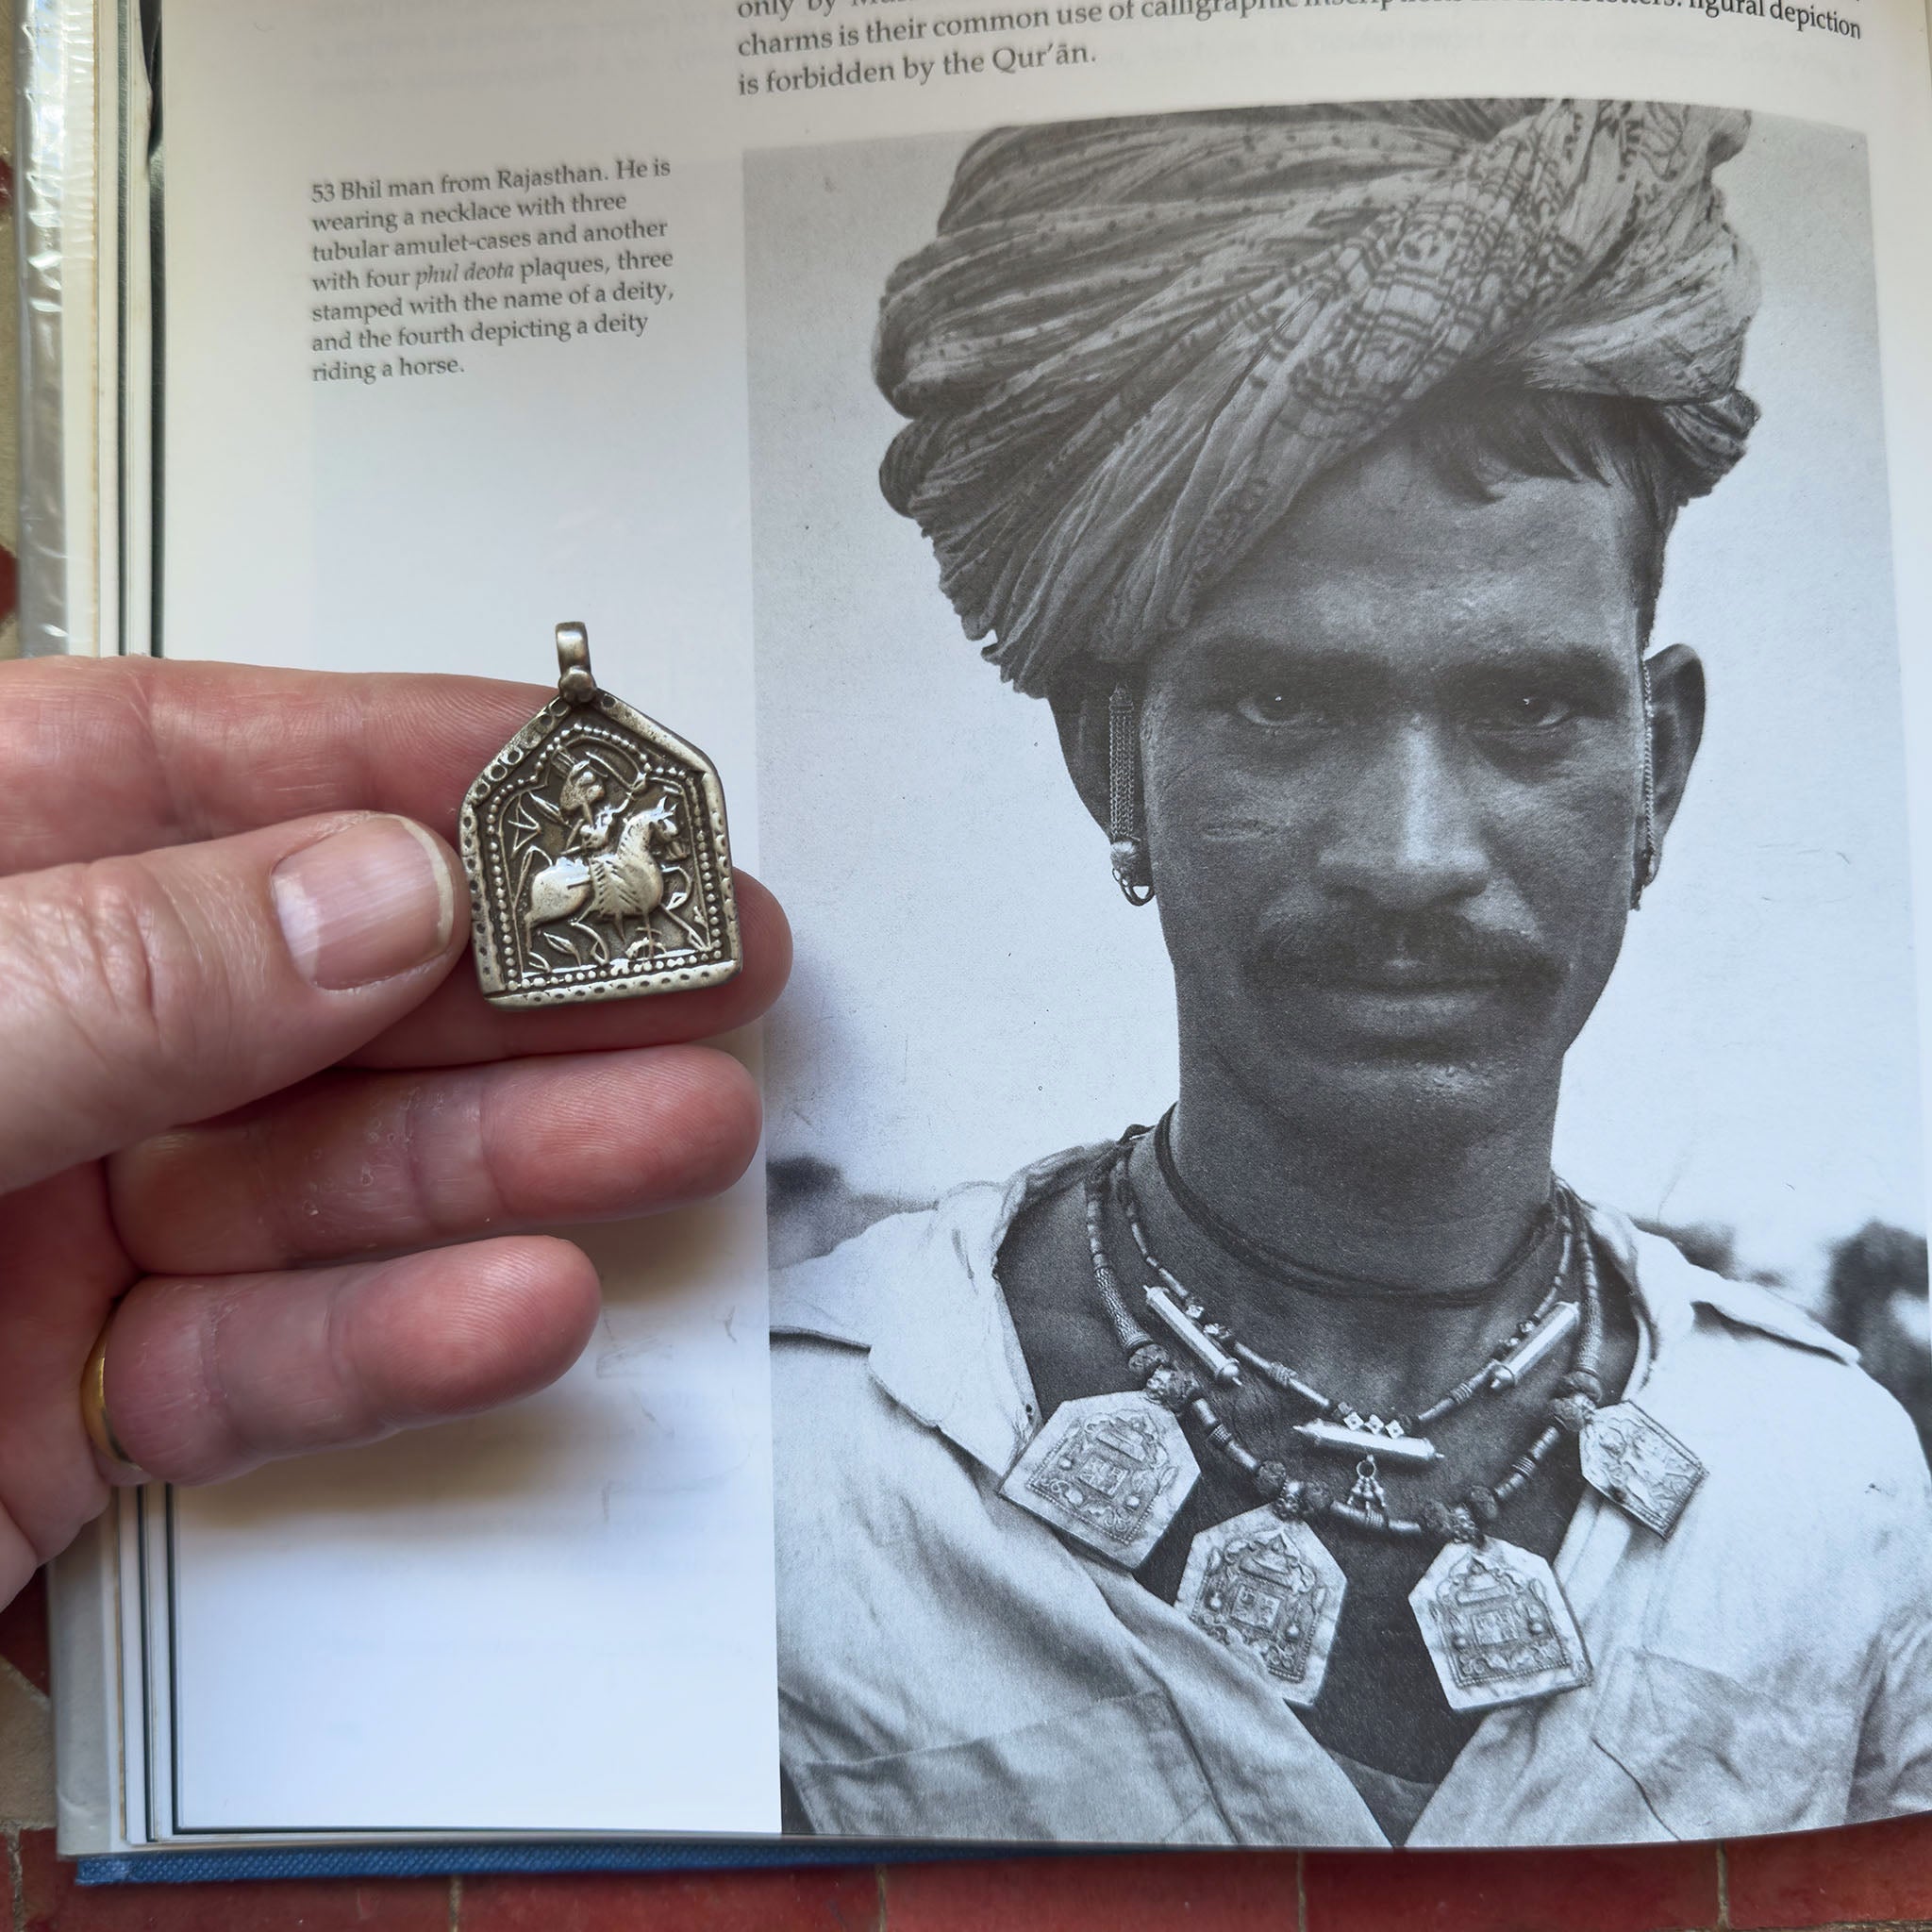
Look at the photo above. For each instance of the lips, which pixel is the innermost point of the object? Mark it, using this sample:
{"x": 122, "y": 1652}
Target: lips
{"x": 1414, "y": 977}
{"x": 1429, "y": 987}
{"x": 1408, "y": 1013}
{"x": 1402, "y": 1005}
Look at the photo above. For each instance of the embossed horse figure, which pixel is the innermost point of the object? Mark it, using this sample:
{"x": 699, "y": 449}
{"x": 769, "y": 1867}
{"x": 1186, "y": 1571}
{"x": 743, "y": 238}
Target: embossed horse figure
{"x": 616, "y": 880}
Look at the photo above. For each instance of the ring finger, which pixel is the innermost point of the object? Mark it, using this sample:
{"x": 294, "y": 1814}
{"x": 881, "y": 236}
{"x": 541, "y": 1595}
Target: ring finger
{"x": 205, "y": 1378}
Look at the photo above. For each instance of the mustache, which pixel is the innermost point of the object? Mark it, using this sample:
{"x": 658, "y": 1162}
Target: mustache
{"x": 1361, "y": 945}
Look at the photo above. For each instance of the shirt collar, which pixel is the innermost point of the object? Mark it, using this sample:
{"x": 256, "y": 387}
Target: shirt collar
{"x": 921, "y": 1294}
{"x": 1670, "y": 1288}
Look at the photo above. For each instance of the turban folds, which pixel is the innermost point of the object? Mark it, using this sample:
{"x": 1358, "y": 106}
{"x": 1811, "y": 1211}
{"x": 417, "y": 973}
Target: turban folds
{"x": 1133, "y": 343}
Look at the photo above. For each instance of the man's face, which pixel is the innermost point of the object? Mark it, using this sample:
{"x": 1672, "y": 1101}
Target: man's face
{"x": 1392, "y": 778}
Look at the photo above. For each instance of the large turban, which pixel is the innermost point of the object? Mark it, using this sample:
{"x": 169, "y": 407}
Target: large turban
{"x": 1133, "y": 343}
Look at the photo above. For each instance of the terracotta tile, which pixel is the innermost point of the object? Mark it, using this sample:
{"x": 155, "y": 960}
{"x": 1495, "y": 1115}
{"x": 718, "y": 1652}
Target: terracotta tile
{"x": 1218, "y": 1891}
{"x": 843, "y": 1898}
{"x": 1631, "y": 1888}
{"x": 23, "y": 1632}
{"x": 1869, "y": 1871}
{"x": 56, "y": 1904}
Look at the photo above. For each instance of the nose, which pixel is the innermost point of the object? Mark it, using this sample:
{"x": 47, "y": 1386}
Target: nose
{"x": 1407, "y": 834}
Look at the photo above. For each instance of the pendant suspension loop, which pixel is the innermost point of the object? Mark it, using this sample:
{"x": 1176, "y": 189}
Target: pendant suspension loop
{"x": 574, "y": 679}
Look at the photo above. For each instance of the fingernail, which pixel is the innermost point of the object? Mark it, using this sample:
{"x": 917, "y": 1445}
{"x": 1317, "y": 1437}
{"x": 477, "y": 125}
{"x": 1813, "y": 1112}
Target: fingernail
{"x": 365, "y": 903}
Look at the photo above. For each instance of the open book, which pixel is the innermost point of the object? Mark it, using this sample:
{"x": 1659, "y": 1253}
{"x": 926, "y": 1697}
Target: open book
{"x": 1374, "y": 448}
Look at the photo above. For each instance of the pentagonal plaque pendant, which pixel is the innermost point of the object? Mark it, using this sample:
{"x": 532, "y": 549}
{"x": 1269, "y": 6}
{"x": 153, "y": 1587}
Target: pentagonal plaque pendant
{"x": 1265, "y": 1586}
{"x": 1498, "y": 1627}
{"x": 595, "y": 844}
{"x": 1109, "y": 1470}
{"x": 1629, "y": 1457}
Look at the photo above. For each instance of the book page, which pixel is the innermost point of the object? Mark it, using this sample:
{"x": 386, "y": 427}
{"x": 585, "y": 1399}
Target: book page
{"x": 478, "y": 320}
{"x": 567, "y": 1606}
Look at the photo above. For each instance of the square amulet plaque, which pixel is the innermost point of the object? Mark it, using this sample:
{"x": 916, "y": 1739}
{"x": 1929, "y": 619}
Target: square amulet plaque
{"x": 1109, "y": 1470}
{"x": 1629, "y": 1457}
{"x": 1497, "y": 1626}
{"x": 1266, "y": 1587}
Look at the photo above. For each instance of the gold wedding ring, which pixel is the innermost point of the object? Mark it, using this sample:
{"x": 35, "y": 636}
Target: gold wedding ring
{"x": 94, "y": 1406}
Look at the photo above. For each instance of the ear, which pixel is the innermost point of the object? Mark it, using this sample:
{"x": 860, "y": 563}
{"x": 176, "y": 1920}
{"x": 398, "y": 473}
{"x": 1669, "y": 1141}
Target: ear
{"x": 1676, "y": 709}
{"x": 1079, "y": 710}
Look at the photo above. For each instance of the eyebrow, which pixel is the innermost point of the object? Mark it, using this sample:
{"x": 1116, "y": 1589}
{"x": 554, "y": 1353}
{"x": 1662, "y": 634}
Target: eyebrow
{"x": 1222, "y": 655}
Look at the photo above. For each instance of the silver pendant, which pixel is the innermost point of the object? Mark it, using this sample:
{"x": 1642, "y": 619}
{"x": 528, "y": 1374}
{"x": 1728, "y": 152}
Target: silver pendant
{"x": 1497, "y": 1626}
{"x": 1629, "y": 1457}
{"x": 598, "y": 862}
{"x": 1265, "y": 1586}
{"x": 1110, "y": 1470}
{"x": 1359, "y": 1435}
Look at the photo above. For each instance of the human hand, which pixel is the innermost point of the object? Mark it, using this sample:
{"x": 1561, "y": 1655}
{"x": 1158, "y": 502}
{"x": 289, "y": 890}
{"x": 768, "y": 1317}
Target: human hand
{"x": 243, "y": 1094}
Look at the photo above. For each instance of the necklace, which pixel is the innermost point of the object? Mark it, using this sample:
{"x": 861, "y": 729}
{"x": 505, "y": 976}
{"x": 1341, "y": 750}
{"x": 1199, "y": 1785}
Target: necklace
{"x": 1113, "y": 1472}
{"x": 1366, "y": 1505}
{"x": 1286, "y": 1268}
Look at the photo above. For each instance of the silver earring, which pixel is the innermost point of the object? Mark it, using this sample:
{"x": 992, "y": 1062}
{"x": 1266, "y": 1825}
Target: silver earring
{"x": 1645, "y": 871}
{"x": 1126, "y": 842}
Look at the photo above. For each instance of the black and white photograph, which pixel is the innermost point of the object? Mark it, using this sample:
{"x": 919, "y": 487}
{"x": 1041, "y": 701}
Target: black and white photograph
{"x": 1345, "y": 1177}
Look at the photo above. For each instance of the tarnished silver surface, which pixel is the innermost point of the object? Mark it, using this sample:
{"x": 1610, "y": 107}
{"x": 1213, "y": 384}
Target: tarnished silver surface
{"x": 1556, "y": 1327}
{"x": 1629, "y": 1457}
{"x": 596, "y": 845}
{"x": 1355, "y": 1434}
{"x": 1111, "y": 1471}
{"x": 1182, "y": 1322}
{"x": 1266, "y": 1586}
{"x": 1499, "y": 1629}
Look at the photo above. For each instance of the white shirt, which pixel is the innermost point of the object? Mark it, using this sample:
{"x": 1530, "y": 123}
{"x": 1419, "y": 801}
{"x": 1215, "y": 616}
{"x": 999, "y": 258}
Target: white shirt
{"x": 951, "y": 1668}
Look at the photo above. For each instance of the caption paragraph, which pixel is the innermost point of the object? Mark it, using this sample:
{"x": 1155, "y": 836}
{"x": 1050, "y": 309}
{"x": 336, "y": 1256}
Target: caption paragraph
{"x": 424, "y": 276}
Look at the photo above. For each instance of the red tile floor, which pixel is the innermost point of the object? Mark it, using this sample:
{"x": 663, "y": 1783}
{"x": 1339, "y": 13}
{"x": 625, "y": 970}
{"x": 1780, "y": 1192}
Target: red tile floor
{"x": 1869, "y": 1875}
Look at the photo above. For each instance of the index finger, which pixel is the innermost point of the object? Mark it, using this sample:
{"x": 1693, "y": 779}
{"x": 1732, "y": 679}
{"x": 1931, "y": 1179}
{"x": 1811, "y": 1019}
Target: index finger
{"x": 105, "y": 758}
{"x": 100, "y": 757}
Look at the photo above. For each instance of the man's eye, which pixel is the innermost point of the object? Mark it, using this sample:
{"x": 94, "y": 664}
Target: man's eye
{"x": 1527, "y": 710}
{"x": 1276, "y": 705}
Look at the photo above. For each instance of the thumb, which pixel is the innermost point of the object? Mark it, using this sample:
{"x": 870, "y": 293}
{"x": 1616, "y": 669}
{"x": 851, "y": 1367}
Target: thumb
{"x": 138, "y": 994}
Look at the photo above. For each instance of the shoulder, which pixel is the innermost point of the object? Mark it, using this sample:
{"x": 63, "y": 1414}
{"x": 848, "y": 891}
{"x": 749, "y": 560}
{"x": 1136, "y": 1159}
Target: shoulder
{"x": 896, "y": 1352}
{"x": 903, "y": 1264}
{"x": 854, "y": 1293}
{"x": 1749, "y": 1371}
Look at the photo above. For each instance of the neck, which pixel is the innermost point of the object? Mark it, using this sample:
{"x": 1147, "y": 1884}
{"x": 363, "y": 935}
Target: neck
{"x": 1427, "y": 1210}
{"x": 1413, "y": 1218}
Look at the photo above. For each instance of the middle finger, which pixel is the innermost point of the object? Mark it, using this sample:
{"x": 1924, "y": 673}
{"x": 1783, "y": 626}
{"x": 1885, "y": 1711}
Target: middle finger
{"x": 360, "y": 1163}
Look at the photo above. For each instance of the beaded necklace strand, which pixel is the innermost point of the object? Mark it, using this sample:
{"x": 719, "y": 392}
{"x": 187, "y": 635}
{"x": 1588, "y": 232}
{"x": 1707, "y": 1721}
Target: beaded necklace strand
{"x": 1366, "y": 1506}
{"x": 1508, "y": 1363}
